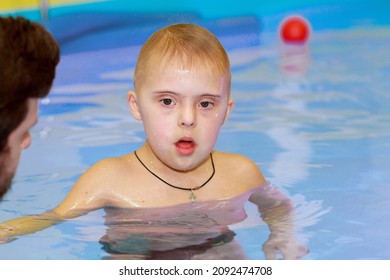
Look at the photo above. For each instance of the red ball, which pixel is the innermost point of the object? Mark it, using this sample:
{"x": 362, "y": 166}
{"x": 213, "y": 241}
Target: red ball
{"x": 295, "y": 29}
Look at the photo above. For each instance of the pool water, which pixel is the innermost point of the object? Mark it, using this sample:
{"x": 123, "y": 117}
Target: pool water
{"x": 315, "y": 119}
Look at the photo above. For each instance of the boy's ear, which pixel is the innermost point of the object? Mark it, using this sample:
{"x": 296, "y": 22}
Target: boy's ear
{"x": 229, "y": 109}
{"x": 133, "y": 105}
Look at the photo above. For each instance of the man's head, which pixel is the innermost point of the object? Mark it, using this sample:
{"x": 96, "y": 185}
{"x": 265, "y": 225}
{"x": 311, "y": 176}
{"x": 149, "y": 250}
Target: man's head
{"x": 28, "y": 58}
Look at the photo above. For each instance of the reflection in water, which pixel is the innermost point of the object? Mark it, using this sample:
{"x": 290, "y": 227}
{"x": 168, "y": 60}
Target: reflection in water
{"x": 295, "y": 58}
{"x": 187, "y": 231}
{"x": 291, "y": 165}
{"x": 202, "y": 230}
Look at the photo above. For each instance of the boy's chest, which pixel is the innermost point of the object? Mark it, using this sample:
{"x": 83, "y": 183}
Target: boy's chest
{"x": 148, "y": 191}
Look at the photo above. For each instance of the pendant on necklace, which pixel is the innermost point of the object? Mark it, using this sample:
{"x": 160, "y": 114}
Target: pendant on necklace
{"x": 192, "y": 196}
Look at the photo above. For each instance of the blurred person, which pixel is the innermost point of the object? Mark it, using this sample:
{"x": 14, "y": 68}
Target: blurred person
{"x": 28, "y": 58}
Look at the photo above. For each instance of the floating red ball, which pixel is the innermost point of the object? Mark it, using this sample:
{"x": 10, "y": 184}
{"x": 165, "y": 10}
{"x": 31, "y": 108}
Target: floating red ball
{"x": 295, "y": 29}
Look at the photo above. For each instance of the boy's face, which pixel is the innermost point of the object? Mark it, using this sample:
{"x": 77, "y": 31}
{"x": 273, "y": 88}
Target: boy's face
{"x": 182, "y": 112}
{"x": 18, "y": 140}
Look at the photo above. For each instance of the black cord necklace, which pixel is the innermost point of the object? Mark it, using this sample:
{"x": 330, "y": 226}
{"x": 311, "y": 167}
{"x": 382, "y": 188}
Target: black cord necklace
{"x": 192, "y": 196}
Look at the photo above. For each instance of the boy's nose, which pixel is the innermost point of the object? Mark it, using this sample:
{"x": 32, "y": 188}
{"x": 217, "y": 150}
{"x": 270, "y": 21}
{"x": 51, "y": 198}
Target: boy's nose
{"x": 187, "y": 117}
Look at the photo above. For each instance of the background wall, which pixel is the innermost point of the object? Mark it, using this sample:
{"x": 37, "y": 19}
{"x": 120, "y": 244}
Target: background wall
{"x": 15, "y": 5}
{"x": 350, "y": 12}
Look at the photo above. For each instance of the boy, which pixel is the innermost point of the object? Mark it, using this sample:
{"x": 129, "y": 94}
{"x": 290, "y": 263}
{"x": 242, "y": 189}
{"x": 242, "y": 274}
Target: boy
{"x": 182, "y": 96}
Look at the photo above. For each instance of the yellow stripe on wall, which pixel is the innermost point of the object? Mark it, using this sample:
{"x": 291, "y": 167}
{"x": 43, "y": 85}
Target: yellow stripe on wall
{"x": 7, "y": 5}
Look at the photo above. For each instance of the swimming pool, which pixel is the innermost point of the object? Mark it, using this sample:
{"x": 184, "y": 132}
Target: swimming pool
{"x": 322, "y": 135}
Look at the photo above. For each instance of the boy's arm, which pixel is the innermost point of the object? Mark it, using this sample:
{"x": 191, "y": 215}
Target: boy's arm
{"x": 277, "y": 211}
{"x": 85, "y": 196}
{"x": 26, "y": 225}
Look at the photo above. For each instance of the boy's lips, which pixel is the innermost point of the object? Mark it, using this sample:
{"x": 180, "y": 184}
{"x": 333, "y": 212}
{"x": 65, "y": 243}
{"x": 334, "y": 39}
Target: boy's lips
{"x": 185, "y": 146}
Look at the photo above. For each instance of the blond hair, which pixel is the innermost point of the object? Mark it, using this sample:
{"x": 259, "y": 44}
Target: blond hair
{"x": 188, "y": 45}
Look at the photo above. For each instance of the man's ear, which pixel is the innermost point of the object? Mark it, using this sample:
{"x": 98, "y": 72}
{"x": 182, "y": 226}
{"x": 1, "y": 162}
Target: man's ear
{"x": 133, "y": 105}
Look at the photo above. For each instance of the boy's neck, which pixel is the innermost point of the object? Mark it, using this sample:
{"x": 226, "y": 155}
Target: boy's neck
{"x": 174, "y": 176}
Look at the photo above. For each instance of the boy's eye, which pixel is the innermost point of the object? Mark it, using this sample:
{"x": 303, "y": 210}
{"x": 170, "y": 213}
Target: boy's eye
{"x": 167, "y": 101}
{"x": 206, "y": 104}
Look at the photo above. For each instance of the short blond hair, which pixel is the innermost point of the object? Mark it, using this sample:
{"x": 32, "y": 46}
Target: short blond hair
{"x": 190, "y": 45}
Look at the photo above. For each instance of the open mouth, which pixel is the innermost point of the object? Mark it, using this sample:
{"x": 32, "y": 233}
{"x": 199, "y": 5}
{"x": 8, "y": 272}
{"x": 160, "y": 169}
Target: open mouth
{"x": 185, "y": 146}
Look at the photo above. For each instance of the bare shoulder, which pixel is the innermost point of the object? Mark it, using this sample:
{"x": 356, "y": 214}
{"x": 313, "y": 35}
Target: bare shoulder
{"x": 109, "y": 174}
{"x": 110, "y": 166}
{"x": 101, "y": 173}
{"x": 240, "y": 167}
{"x": 95, "y": 186}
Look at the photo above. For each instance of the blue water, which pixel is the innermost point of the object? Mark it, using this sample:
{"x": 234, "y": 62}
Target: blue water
{"x": 321, "y": 134}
